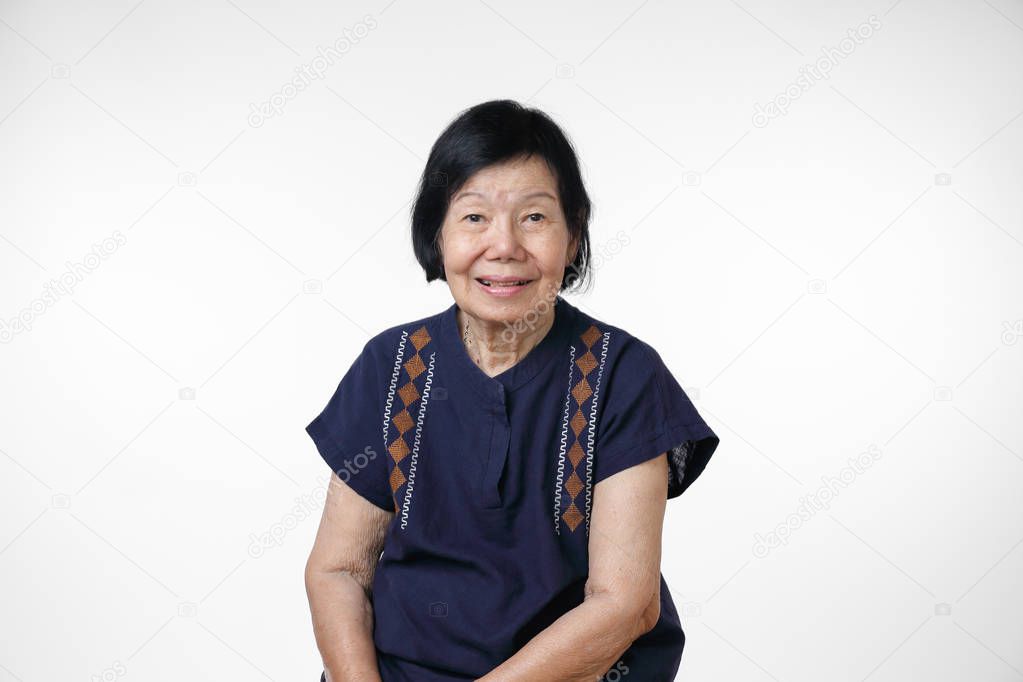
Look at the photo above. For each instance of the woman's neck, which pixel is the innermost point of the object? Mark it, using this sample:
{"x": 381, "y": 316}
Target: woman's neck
{"x": 495, "y": 346}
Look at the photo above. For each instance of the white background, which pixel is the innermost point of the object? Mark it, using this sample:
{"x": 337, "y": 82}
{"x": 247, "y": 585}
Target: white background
{"x": 846, "y": 277}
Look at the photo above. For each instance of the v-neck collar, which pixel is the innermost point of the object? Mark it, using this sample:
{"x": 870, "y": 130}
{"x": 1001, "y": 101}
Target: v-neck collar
{"x": 494, "y": 388}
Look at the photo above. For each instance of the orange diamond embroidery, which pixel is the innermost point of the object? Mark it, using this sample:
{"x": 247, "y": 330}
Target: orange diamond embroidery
{"x": 403, "y": 421}
{"x": 572, "y": 517}
{"x": 573, "y": 485}
{"x": 415, "y": 366}
{"x": 581, "y": 393}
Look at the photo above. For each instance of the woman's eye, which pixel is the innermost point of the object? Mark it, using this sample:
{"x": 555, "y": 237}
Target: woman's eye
{"x": 536, "y": 217}
{"x": 473, "y": 215}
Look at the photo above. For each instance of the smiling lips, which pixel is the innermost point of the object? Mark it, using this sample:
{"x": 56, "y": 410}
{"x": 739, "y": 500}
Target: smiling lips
{"x": 502, "y": 281}
{"x": 503, "y": 286}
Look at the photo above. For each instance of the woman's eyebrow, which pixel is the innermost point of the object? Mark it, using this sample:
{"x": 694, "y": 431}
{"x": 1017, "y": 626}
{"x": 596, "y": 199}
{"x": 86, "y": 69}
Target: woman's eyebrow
{"x": 462, "y": 195}
{"x": 531, "y": 195}
{"x": 541, "y": 193}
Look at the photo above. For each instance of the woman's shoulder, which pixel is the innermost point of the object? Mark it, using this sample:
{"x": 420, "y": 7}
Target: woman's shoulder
{"x": 615, "y": 344}
{"x": 420, "y": 333}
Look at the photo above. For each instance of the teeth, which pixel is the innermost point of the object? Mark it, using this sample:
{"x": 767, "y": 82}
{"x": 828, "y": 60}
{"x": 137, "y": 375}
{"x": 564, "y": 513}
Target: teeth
{"x": 503, "y": 284}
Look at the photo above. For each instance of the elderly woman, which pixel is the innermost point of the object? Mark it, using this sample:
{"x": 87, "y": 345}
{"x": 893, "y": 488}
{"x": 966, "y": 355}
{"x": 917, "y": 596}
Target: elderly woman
{"x": 501, "y": 467}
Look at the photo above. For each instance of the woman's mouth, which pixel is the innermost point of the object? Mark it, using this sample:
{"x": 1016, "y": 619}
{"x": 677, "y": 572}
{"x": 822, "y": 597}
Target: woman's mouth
{"x": 492, "y": 283}
{"x": 503, "y": 287}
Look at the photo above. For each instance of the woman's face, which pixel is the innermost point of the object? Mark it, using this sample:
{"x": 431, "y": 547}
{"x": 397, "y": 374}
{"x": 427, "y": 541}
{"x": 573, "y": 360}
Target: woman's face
{"x": 506, "y": 224}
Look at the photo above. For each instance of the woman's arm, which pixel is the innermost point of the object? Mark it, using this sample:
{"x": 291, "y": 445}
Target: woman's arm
{"x": 622, "y": 596}
{"x": 338, "y": 578}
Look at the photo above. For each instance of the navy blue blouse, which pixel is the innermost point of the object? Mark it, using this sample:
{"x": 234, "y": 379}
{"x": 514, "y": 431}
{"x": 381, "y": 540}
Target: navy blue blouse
{"x": 491, "y": 482}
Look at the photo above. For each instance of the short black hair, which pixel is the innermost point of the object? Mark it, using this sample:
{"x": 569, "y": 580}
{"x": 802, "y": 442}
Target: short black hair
{"x": 489, "y": 133}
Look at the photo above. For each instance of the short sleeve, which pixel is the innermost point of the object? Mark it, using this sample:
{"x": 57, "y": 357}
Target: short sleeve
{"x": 647, "y": 413}
{"x": 348, "y": 433}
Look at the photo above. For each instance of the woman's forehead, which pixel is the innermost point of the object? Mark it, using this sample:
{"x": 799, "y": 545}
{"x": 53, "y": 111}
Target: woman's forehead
{"x": 517, "y": 178}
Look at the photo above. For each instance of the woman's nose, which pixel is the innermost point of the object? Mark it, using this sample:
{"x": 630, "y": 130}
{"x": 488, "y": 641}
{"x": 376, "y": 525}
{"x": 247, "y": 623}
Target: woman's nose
{"x": 504, "y": 238}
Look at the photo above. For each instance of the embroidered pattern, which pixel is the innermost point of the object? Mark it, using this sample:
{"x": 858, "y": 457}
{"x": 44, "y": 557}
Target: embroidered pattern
{"x": 394, "y": 382}
{"x": 403, "y": 472}
{"x": 584, "y": 399}
{"x": 593, "y": 427}
{"x": 415, "y": 445}
{"x": 564, "y": 437}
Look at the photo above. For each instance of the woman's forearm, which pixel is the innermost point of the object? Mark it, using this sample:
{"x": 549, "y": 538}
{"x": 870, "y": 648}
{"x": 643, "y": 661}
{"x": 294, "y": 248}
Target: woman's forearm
{"x": 580, "y": 646}
{"x": 343, "y": 625}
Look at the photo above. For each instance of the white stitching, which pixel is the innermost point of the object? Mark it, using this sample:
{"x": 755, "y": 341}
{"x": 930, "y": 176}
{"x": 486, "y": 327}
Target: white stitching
{"x": 561, "y": 453}
{"x": 415, "y": 446}
{"x": 593, "y": 425}
{"x": 394, "y": 382}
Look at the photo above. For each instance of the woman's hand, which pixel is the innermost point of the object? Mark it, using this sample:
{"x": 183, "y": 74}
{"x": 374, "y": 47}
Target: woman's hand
{"x": 622, "y": 595}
